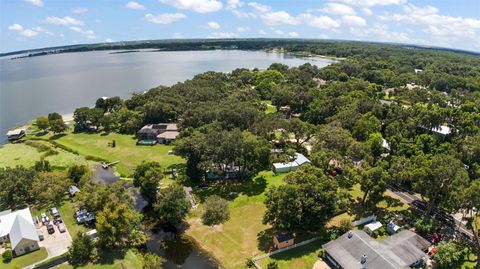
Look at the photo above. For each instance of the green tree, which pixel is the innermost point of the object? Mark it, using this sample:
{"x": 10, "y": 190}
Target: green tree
{"x": 376, "y": 144}
{"x": 448, "y": 255}
{"x": 373, "y": 183}
{"x": 302, "y": 131}
{"x": 368, "y": 124}
{"x": 56, "y": 123}
{"x": 82, "y": 250}
{"x": 152, "y": 261}
{"x": 216, "y": 210}
{"x": 147, "y": 177}
{"x": 306, "y": 202}
{"x": 42, "y": 166}
{"x": 172, "y": 205}
{"x": 117, "y": 224}
{"x": 49, "y": 187}
{"x": 272, "y": 265}
{"x": 15, "y": 186}
{"x": 77, "y": 173}
{"x": 42, "y": 123}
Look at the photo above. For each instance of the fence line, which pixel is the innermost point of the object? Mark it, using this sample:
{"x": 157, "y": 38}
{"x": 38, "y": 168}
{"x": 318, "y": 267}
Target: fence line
{"x": 261, "y": 257}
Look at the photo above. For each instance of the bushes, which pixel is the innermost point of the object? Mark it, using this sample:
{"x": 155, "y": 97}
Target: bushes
{"x": 7, "y": 256}
{"x": 425, "y": 226}
{"x": 216, "y": 210}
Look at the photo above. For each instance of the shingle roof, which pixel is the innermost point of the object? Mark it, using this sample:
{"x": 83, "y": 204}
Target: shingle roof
{"x": 398, "y": 251}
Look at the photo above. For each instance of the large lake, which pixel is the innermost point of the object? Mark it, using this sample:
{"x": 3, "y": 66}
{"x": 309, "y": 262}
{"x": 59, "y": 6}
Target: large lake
{"x": 35, "y": 86}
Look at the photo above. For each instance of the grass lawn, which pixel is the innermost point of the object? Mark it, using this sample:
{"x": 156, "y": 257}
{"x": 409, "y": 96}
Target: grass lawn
{"x": 270, "y": 108}
{"x": 126, "y": 150}
{"x": 240, "y": 237}
{"x": 12, "y": 155}
{"x": 26, "y": 259}
{"x": 301, "y": 257}
{"x": 112, "y": 260}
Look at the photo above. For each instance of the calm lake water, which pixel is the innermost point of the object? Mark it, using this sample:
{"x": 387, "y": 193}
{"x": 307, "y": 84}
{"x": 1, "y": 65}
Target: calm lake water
{"x": 36, "y": 86}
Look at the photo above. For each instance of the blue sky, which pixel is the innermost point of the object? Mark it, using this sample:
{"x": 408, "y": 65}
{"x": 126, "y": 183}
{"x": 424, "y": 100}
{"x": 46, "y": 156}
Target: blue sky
{"x": 27, "y": 24}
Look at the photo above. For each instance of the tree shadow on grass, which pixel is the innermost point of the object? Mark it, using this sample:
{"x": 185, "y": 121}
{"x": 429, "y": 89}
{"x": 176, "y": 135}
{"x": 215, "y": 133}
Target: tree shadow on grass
{"x": 109, "y": 256}
{"x": 230, "y": 189}
{"x": 298, "y": 252}
{"x": 57, "y": 136}
{"x": 265, "y": 240}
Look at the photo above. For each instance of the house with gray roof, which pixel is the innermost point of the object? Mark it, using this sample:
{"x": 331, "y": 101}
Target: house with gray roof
{"x": 356, "y": 249}
{"x": 295, "y": 162}
{"x": 17, "y": 228}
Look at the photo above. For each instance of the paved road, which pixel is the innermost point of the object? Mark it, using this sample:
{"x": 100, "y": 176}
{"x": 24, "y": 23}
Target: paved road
{"x": 409, "y": 197}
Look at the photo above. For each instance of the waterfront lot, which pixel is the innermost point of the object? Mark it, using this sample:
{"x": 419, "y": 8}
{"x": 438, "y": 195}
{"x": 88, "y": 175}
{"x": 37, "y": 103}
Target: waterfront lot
{"x": 96, "y": 146}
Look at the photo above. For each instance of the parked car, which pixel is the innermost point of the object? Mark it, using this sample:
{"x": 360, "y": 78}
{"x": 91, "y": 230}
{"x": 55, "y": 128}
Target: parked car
{"x": 89, "y": 217}
{"x": 50, "y": 228}
{"x": 81, "y": 218}
{"x": 40, "y": 236}
{"x": 61, "y": 227}
{"x": 45, "y": 219}
{"x": 54, "y": 212}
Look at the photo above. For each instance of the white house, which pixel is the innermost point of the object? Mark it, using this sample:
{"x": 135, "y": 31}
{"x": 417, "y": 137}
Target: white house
{"x": 296, "y": 161}
{"x": 17, "y": 228}
{"x": 372, "y": 227}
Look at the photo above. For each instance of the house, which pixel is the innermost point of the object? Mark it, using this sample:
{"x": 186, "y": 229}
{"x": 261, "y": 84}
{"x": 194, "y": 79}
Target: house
{"x": 161, "y": 133}
{"x": 17, "y": 228}
{"x": 417, "y": 70}
{"x": 392, "y": 227}
{"x": 335, "y": 167}
{"x": 295, "y": 162}
{"x": 72, "y": 190}
{"x": 356, "y": 249}
{"x": 15, "y": 134}
{"x": 372, "y": 227}
{"x": 441, "y": 131}
{"x": 283, "y": 239}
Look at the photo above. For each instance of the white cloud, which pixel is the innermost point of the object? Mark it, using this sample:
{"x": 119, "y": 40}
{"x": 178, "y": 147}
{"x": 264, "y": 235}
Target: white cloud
{"x": 213, "y": 25}
{"x": 259, "y": 7}
{"x": 278, "y": 32}
{"x": 15, "y": 27}
{"x": 241, "y": 14}
{"x": 293, "y": 34}
{"x": 278, "y": 17}
{"x": 177, "y": 35}
{"x": 338, "y": 9}
{"x": 88, "y": 33}
{"x": 222, "y": 35}
{"x": 200, "y": 6}
{"x": 262, "y": 32}
{"x": 354, "y": 21}
{"x": 322, "y": 22}
{"x": 79, "y": 10}
{"x": 109, "y": 40}
{"x": 243, "y": 29}
{"x": 66, "y": 21}
{"x": 371, "y": 3}
{"x": 28, "y": 33}
{"x": 367, "y": 11}
{"x": 380, "y": 32}
{"x": 43, "y": 30}
{"x": 165, "y": 18}
{"x": 38, "y": 3}
{"x": 234, "y": 4}
{"x": 134, "y": 5}
{"x": 442, "y": 28}
{"x": 323, "y": 36}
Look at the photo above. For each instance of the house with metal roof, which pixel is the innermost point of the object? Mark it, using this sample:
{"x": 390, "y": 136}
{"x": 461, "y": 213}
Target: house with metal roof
{"x": 17, "y": 228}
{"x": 161, "y": 133}
{"x": 356, "y": 249}
{"x": 295, "y": 162}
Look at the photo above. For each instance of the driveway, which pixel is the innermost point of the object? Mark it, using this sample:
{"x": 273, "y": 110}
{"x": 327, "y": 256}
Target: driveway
{"x": 57, "y": 243}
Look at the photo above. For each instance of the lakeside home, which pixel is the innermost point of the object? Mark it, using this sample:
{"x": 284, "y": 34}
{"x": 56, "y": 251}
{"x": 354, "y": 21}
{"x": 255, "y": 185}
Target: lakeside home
{"x": 162, "y": 133}
{"x": 15, "y": 134}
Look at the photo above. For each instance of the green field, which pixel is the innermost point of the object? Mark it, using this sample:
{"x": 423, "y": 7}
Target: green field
{"x": 27, "y": 259}
{"x": 12, "y": 155}
{"x": 112, "y": 260}
{"x": 241, "y": 236}
{"x": 301, "y": 257}
{"x": 126, "y": 150}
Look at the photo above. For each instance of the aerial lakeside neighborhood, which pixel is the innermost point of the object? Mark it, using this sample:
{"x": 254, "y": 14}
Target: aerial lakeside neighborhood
{"x": 370, "y": 162}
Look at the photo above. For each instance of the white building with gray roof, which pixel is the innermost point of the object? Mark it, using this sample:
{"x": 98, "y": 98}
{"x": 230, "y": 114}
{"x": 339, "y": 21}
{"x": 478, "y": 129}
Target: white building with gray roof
{"x": 356, "y": 249}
